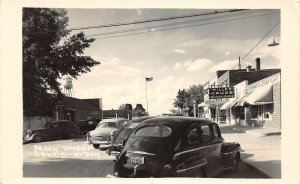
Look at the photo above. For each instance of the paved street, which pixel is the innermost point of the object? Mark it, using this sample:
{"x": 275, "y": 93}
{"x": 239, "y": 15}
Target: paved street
{"x": 76, "y": 158}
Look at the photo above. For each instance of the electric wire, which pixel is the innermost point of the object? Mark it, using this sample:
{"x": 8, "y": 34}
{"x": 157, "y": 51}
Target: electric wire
{"x": 140, "y": 22}
{"x": 166, "y": 29}
{"x": 173, "y": 24}
{"x": 265, "y": 35}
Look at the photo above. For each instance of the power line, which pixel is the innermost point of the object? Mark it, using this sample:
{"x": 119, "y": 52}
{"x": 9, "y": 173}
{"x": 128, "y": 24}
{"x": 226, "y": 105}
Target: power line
{"x": 277, "y": 23}
{"x": 172, "y": 24}
{"x": 140, "y": 22}
{"x": 159, "y": 30}
{"x": 258, "y": 43}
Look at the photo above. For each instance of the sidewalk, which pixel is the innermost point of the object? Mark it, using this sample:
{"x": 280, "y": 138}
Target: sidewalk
{"x": 261, "y": 147}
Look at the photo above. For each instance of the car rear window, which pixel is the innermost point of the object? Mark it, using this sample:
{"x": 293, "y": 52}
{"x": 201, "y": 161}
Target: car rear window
{"x": 154, "y": 131}
{"x": 106, "y": 124}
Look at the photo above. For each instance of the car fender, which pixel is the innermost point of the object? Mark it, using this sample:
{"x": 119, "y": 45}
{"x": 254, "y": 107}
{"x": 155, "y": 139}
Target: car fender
{"x": 229, "y": 147}
{"x": 40, "y": 134}
{"x": 229, "y": 151}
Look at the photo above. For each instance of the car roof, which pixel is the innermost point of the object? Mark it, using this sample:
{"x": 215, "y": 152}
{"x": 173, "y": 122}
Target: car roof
{"x": 175, "y": 121}
{"x": 59, "y": 121}
{"x": 140, "y": 119}
{"x": 113, "y": 120}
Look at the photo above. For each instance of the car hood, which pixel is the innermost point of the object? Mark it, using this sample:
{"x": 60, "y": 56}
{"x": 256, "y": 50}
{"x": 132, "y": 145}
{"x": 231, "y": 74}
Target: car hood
{"x": 102, "y": 131}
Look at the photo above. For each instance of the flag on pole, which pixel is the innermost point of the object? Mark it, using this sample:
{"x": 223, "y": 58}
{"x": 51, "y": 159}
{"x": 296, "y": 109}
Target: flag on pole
{"x": 149, "y": 79}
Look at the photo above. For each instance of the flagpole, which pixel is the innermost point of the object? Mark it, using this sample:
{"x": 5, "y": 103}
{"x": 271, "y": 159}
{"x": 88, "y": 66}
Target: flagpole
{"x": 147, "y": 97}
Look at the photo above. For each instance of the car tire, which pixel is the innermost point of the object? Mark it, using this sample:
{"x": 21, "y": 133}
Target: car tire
{"x": 235, "y": 164}
{"x": 38, "y": 138}
{"x": 71, "y": 135}
{"x": 96, "y": 146}
{"x": 200, "y": 173}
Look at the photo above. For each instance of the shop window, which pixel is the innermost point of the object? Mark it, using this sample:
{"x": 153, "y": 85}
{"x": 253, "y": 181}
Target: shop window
{"x": 256, "y": 111}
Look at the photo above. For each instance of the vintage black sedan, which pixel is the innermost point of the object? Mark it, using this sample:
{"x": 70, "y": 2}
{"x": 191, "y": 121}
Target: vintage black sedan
{"x": 176, "y": 147}
{"x": 53, "y": 131}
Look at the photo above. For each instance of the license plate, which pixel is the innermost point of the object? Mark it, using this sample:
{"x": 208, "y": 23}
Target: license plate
{"x": 137, "y": 160}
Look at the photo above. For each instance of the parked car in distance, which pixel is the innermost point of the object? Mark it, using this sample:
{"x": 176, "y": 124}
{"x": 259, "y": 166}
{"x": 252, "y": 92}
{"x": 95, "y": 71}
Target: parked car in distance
{"x": 102, "y": 133}
{"x": 87, "y": 125}
{"x": 120, "y": 136}
{"x": 53, "y": 131}
{"x": 176, "y": 147}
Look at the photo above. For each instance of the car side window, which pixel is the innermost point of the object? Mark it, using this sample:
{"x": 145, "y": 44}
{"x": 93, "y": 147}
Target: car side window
{"x": 206, "y": 136}
{"x": 193, "y": 137}
{"x": 216, "y": 132}
{"x": 55, "y": 125}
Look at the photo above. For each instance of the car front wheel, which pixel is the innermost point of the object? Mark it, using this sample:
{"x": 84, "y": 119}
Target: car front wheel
{"x": 235, "y": 163}
{"x": 96, "y": 146}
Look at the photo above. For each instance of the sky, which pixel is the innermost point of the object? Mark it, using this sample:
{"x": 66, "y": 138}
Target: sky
{"x": 175, "y": 58}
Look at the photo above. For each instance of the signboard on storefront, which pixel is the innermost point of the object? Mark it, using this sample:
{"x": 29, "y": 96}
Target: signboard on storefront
{"x": 266, "y": 81}
{"x": 223, "y": 92}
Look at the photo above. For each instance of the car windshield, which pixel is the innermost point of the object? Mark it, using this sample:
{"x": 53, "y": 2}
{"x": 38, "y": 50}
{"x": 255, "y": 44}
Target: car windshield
{"x": 107, "y": 124}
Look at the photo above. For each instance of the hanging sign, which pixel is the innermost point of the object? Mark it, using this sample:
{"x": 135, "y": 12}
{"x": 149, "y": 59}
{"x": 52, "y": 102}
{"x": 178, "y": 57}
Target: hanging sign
{"x": 224, "y": 92}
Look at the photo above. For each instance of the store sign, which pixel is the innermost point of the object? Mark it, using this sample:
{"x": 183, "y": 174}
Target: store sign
{"x": 225, "y": 92}
{"x": 269, "y": 80}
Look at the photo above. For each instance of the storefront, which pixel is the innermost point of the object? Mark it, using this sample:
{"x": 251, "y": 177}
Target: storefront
{"x": 260, "y": 104}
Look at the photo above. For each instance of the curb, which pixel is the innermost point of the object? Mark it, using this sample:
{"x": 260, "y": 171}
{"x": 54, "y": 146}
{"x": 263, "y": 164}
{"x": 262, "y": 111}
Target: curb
{"x": 250, "y": 166}
{"x": 262, "y": 134}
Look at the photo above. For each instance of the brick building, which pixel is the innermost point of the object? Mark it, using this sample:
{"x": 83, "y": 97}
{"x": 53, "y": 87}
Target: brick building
{"x": 75, "y": 109}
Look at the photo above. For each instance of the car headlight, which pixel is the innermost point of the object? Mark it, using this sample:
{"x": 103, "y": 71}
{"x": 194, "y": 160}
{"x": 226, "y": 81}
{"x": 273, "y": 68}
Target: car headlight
{"x": 29, "y": 132}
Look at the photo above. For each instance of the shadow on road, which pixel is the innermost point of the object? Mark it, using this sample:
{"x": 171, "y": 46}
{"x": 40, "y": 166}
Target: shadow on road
{"x": 236, "y": 129}
{"x": 71, "y": 168}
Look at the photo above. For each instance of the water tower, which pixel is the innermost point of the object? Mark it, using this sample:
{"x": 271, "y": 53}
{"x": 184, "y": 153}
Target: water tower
{"x": 68, "y": 87}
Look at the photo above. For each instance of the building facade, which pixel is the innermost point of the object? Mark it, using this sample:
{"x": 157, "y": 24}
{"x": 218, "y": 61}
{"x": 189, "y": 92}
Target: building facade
{"x": 256, "y": 101}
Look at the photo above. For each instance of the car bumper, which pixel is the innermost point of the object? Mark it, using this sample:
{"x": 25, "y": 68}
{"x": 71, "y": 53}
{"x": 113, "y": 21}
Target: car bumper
{"x": 28, "y": 138}
{"x": 91, "y": 141}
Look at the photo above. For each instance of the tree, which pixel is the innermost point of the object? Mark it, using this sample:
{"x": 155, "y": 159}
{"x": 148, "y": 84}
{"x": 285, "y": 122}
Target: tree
{"x": 181, "y": 99}
{"x": 185, "y": 98}
{"x": 48, "y": 54}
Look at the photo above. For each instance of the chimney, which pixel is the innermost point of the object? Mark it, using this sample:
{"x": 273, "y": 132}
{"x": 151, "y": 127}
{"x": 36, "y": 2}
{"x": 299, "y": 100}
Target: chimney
{"x": 257, "y": 64}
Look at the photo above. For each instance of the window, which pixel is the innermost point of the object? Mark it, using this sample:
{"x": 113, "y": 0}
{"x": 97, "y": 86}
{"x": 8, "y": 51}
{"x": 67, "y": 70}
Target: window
{"x": 55, "y": 125}
{"x": 154, "y": 131}
{"x": 193, "y": 137}
{"x": 206, "y": 135}
{"x": 216, "y": 132}
{"x": 106, "y": 124}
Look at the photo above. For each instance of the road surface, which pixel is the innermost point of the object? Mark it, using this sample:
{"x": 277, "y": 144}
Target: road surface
{"x": 75, "y": 158}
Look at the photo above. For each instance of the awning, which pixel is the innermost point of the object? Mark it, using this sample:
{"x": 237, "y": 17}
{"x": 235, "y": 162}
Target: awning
{"x": 259, "y": 96}
{"x": 229, "y": 103}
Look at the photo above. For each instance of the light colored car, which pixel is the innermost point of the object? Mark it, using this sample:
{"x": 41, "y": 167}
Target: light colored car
{"x": 102, "y": 133}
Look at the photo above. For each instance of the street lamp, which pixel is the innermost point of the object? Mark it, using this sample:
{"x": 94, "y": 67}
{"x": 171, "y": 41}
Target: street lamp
{"x": 274, "y": 43}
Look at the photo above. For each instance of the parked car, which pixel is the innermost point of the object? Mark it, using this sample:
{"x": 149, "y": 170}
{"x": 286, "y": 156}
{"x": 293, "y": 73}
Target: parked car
{"x": 87, "y": 125}
{"x": 53, "y": 131}
{"x": 176, "y": 147}
{"x": 102, "y": 133}
{"x": 120, "y": 136}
